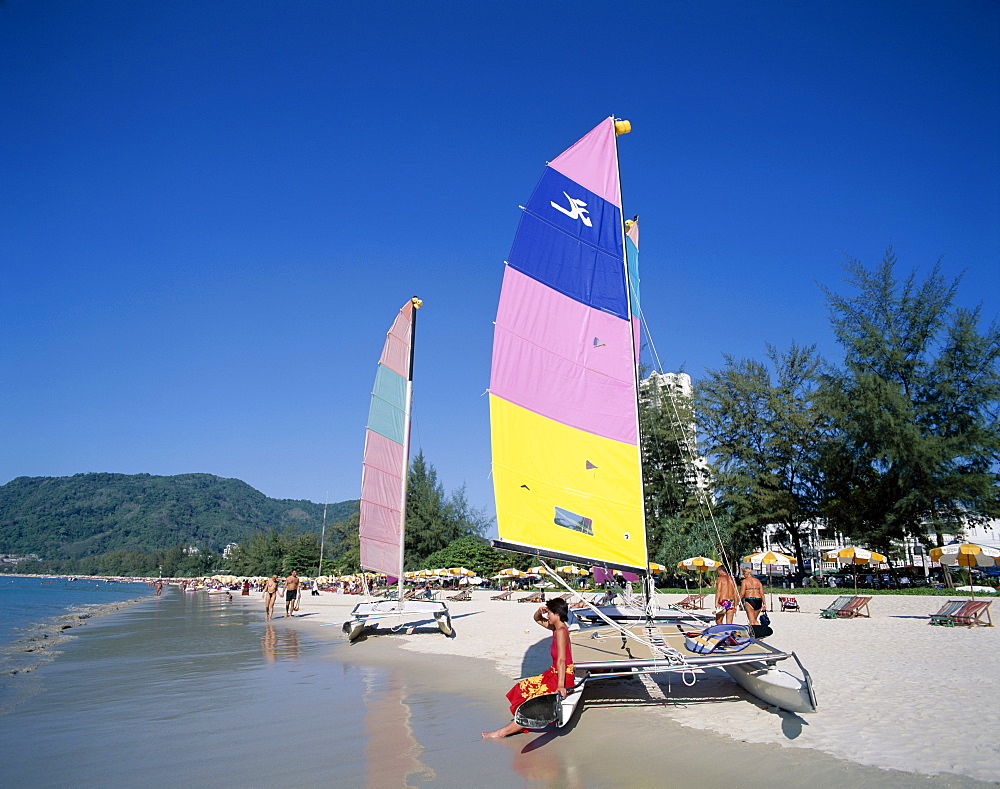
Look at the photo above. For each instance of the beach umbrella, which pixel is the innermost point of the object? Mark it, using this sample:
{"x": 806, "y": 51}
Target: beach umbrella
{"x": 771, "y": 559}
{"x": 461, "y": 572}
{"x": 657, "y": 568}
{"x": 539, "y": 570}
{"x": 966, "y": 554}
{"x": 700, "y": 564}
{"x": 511, "y": 572}
{"x": 854, "y": 556}
{"x": 569, "y": 569}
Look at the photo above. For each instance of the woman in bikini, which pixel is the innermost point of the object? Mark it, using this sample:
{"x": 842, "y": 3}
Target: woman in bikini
{"x": 557, "y": 679}
{"x": 752, "y": 594}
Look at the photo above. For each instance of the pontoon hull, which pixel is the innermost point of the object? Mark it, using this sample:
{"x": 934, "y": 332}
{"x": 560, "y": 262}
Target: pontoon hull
{"x": 371, "y": 615}
{"x": 774, "y": 685}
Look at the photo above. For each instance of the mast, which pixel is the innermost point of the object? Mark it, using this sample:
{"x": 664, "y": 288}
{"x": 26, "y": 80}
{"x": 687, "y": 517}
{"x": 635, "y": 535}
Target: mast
{"x": 406, "y": 452}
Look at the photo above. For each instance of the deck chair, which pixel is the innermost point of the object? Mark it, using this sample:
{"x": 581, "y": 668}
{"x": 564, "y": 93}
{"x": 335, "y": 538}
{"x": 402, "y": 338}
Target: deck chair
{"x": 463, "y": 596}
{"x": 972, "y": 614}
{"x": 855, "y": 608}
{"x": 948, "y": 610}
{"x": 692, "y": 601}
{"x": 502, "y": 596}
{"x": 789, "y": 603}
{"x": 831, "y": 611}
{"x": 534, "y": 597}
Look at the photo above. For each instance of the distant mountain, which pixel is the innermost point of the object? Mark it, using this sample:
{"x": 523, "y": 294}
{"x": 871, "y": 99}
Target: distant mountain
{"x": 91, "y": 514}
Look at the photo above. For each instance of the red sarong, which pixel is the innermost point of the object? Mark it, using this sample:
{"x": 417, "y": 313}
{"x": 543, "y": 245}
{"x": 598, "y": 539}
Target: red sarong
{"x": 541, "y": 685}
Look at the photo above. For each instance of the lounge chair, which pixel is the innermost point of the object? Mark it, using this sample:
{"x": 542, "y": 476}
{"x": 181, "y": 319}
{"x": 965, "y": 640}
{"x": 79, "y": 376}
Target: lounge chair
{"x": 972, "y": 613}
{"x": 948, "y": 610}
{"x": 692, "y": 601}
{"x": 534, "y": 597}
{"x": 502, "y": 596}
{"x": 855, "y": 608}
{"x": 789, "y": 603}
{"x": 831, "y": 611}
{"x": 464, "y": 596}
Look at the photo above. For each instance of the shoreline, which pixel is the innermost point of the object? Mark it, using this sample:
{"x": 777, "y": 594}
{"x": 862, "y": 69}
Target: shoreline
{"x": 889, "y": 688}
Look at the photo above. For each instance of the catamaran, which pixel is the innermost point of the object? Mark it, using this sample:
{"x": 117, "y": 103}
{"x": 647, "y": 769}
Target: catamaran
{"x": 383, "y": 484}
{"x": 564, "y": 422}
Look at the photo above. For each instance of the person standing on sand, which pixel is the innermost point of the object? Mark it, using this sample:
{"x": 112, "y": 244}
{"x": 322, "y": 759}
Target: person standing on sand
{"x": 270, "y": 594}
{"x": 291, "y": 592}
{"x": 725, "y": 597}
{"x": 752, "y": 593}
{"x": 557, "y": 679}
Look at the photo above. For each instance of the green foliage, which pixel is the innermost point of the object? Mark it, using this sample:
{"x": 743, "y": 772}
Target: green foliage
{"x": 916, "y": 436}
{"x": 472, "y": 552}
{"x": 434, "y": 520}
{"x": 764, "y": 431}
{"x": 131, "y": 524}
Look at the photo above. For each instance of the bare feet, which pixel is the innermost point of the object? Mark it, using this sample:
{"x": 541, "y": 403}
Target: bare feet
{"x": 506, "y": 731}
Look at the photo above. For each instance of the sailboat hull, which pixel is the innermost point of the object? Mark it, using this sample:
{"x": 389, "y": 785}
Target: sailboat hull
{"x": 371, "y": 615}
{"x": 774, "y": 685}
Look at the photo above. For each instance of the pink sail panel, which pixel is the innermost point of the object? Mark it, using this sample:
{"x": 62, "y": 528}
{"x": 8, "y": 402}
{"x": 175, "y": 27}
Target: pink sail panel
{"x": 396, "y": 352}
{"x": 593, "y": 162}
{"x": 381, "y": 503}
{"x": 583, "y": 377}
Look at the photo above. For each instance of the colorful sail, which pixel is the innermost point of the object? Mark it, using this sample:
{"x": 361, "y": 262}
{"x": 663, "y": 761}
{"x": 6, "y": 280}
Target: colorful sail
{"x": 563, "y": 406}
{"x": 387, "y": 440}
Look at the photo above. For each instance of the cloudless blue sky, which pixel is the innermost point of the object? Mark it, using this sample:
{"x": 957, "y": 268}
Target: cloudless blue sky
{"x": 210, "y": 212}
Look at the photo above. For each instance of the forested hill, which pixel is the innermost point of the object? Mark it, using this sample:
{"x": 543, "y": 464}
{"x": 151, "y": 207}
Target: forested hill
{"x": 90, "y": 514}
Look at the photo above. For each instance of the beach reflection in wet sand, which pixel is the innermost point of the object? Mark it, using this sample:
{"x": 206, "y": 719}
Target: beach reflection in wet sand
{"x": 392, "y": 749}
{"x": 280, "y": 643}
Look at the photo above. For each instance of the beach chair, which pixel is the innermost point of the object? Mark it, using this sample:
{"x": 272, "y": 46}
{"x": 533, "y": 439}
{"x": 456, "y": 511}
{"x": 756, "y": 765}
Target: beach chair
{"x": 789, "y": 603}
{"x": 831, "y": 611}
{"x": 948, "y": 610}
{"x": 692, "y": 601}
{"x": 502, "y": 596}
{"x": 855, "y": 608}
{"x": 464, "y": 596}
{"x": 972, "y": 614}
{"x": 534, "y": 597}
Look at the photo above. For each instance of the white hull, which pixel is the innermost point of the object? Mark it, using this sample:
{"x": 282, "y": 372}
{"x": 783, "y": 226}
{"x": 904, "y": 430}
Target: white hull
{"x": 774, "y": 685}
{"x": 390, "y": 614}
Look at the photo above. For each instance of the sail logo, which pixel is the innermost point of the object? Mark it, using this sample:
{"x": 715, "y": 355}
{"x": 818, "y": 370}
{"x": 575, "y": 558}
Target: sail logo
{"x": 577, "y": 210}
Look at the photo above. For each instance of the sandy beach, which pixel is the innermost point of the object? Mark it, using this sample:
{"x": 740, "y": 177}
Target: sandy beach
{"x": 893, "y": 692}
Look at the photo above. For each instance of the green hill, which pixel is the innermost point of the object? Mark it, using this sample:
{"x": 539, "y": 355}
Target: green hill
{"x": 67, "y": 518}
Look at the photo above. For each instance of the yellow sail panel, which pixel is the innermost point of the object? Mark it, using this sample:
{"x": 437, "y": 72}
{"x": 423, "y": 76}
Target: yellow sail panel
{"x": 566, "y": 491}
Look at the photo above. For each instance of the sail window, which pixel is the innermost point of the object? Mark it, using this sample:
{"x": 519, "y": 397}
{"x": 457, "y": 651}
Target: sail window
{"x": 570, "y": 520}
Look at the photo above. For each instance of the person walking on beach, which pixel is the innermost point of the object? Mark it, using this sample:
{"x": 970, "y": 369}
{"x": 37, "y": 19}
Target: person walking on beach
{"x": 725, "y": 597}
{"x": 752, "y": 593}
{"x": 291, "y": 592}
{"x": 557, "y": 679}
{"x": 270, "y": 595}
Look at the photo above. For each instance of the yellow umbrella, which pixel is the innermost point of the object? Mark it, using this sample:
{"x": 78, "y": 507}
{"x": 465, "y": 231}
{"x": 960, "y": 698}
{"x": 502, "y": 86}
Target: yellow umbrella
{"x": 569, "y": 569}
{"x": 511, "y": 572}
{"x": 854, "y": 556}
{"x": 699, "y": 563}
{"x": 657, "y": 568}
{"x": 772, "y": 559}
{"x": 966, "y": 554}
{"x": 539, "y": 570}
{"x": 460, "y": 571}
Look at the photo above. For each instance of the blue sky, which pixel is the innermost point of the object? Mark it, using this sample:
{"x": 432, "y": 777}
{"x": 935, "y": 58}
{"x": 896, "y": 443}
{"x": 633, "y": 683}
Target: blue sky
{"x": 212, "y": 211}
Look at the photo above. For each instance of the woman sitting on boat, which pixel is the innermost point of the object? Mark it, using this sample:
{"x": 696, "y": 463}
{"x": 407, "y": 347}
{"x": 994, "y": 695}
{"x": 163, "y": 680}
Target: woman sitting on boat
{"x": 557, "y": 679}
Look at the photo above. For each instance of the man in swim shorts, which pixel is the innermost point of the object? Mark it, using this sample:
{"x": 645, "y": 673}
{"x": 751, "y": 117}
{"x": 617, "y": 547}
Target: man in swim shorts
{"x": 291, "y": 592}
{"x": 725, "y": 597}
